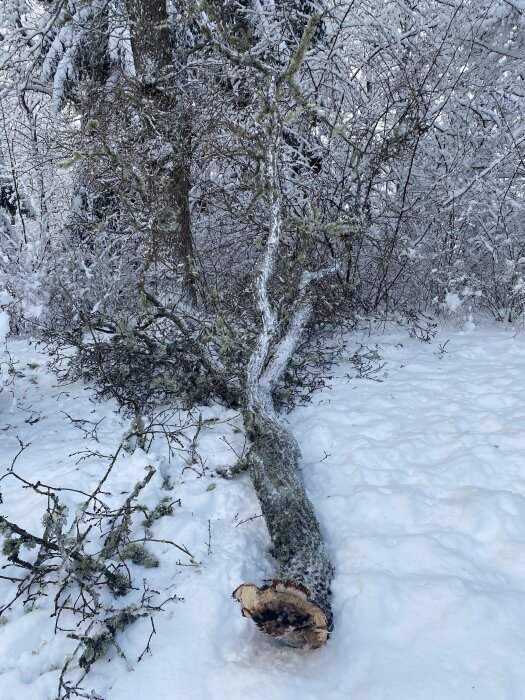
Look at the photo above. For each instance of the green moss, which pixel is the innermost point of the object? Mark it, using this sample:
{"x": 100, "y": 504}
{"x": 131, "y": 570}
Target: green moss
{"x": 95, "y": 647}
{"x": 98, "y": 645}
{"x": 119, "y": 583}
{"x": 140, "y": 555}
{"x": 113, "y": 540}
{"x": 11, "y": 547}
{"x": 71, "y": 161}
{"x": 165, "y": 507}
{"x": 121, "y": 619}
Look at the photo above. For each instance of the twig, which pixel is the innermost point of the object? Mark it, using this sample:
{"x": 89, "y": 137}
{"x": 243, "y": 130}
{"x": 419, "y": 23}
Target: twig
{"x": 209, "y": 537}
{"x": 148, "y": 649}
{"x": 247, "y": 520}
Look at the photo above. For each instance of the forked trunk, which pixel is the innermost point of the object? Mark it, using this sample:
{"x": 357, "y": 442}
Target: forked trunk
{"x": 295, "y": 606}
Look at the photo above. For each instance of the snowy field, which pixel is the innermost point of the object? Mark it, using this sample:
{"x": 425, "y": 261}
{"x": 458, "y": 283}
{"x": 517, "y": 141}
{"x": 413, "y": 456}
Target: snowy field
{"x": 418, "y": 479}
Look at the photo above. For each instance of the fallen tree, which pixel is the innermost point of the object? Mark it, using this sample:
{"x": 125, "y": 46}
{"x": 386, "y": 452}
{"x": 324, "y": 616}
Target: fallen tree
{"x": 302, "y": 191}
{"x": 271, "y": 264}
{"x": 295, "y": 607}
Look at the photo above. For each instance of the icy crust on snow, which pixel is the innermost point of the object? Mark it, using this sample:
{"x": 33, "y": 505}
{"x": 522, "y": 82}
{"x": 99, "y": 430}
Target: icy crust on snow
{"x": 419, "y": 485}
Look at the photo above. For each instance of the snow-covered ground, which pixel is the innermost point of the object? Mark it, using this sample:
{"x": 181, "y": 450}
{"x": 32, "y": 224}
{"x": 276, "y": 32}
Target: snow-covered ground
{"x": 5, "y": 395}
{"x": 418, "y": 479}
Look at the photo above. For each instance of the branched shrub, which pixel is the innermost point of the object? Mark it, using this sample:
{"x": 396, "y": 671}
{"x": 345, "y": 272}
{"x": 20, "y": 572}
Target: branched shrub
{"x": 80, "y": 562}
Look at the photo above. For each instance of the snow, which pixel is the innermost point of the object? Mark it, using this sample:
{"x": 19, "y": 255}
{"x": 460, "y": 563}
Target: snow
{"x": 452, "y": 302}
{"x": 417, "y": 478}
{"x": 4, "y": 326}
{"x": 6, "y": 400}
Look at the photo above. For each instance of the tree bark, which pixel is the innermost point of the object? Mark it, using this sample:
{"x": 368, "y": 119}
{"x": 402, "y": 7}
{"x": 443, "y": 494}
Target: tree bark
{"x": 150, "y": 38}
{"x": 295, "y": 607}
{"x": 153, "y": 58}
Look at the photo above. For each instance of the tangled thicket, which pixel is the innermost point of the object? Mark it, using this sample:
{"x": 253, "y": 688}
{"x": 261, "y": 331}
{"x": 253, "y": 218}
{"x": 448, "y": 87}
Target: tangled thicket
{"x": 135, "y": 207}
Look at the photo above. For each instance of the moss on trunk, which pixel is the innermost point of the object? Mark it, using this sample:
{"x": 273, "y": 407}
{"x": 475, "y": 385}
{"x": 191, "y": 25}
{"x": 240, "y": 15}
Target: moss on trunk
{"x": 295, "y": 607}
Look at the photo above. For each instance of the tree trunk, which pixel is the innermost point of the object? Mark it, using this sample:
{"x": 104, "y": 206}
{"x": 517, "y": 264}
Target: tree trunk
{"x": 153, "y": 57}
{"x": 180, "y": 188}
{"x": 150, "y": 38}
{"x": 295, "y": 607}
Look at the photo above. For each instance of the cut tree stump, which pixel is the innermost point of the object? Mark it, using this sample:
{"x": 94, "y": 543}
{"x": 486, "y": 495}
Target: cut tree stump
{"x": 284, "y": 611}
{"x": 295, "y": 607}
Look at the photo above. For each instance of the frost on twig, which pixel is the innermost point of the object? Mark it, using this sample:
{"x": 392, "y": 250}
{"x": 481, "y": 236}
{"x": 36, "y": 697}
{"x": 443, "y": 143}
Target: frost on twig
{"x": 84, "y": 562}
